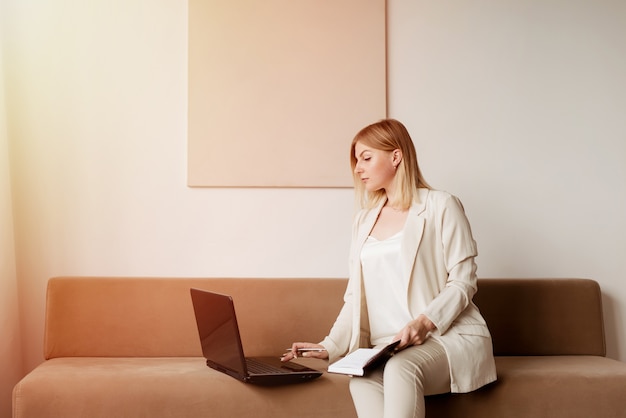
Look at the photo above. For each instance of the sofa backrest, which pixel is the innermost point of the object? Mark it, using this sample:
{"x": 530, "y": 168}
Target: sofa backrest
{"x": 152, "y": 317}
{"x": 542, "y": 317}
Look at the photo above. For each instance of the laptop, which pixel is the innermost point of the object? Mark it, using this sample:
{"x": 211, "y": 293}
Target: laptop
{"x": 222, "y": 348}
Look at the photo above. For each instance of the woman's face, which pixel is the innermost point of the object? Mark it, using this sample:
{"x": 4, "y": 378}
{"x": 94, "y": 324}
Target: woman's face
{"x": 375, "y": 168}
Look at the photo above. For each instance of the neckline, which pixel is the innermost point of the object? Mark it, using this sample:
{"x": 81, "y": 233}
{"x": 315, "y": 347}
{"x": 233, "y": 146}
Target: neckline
{"x": 396, "y": 235}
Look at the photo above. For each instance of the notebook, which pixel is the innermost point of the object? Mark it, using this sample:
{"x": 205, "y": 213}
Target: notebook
{"x": 364, "y": 360}
{"x": 222, "y": 348}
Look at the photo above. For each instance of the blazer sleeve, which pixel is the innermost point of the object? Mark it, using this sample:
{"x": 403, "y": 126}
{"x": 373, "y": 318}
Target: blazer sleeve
{"x": 338, "y": 339}
{"x": 337, "y": 342}
{"x": 459, "y": 250}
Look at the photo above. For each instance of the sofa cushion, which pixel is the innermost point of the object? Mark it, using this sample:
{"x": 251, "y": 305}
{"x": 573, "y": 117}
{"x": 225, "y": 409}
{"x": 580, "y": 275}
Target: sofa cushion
{"x": 170, "y": 387}
{"x": 543, "y": 317}
{"x": 543, "y": 387}
{"x": 137, "y": 317}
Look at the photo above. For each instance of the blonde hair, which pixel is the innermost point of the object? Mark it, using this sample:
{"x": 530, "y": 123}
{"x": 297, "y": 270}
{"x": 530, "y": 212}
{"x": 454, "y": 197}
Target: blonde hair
{"x": 389, "y": 135}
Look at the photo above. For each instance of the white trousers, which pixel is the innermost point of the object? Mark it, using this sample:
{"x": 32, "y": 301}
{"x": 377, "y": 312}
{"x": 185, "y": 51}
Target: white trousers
{"x": 397, "y": 390}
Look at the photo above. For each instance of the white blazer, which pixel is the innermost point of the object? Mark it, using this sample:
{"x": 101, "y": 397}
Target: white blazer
{"x": 439, "y": 250}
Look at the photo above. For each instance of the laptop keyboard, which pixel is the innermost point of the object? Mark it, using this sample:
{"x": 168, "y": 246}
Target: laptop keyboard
{"x": 258, "y": 367}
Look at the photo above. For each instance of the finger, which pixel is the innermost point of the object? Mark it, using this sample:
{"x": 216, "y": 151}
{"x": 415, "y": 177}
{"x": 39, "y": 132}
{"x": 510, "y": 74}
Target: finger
{"x": 299, "y": 347}
{"x": 291, "y": 352}
{"x": 408, "y": 336}
{"x": 295, "y": 347}
{"x": 420, "y": 339}
{"x": 315, "y": 354}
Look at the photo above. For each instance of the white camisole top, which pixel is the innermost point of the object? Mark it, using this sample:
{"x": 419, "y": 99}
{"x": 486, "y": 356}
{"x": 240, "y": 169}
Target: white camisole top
{"x": 386, "y": 288}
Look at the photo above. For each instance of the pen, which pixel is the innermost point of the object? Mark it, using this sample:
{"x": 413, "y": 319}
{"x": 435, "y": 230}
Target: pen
{"x": 317, "y": 350}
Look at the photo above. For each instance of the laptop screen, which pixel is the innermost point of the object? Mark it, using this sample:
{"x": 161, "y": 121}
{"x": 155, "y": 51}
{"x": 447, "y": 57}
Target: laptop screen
{"x": 217, "y": 327}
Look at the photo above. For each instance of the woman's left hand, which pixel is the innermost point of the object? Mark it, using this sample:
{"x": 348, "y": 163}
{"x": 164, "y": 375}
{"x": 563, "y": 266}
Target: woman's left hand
{"x": 415, "y": 332}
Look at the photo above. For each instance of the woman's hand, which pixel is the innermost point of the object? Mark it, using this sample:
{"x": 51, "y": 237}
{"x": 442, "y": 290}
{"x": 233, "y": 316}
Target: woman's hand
{"x": 415, "y": 332}
{"x": 305, "y": 350}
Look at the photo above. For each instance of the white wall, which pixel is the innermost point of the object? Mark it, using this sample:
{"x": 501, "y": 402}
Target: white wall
{"x": 514, "y": 106}
{"x": 98, "y": 95}
{"x": 10, "y": 356}
{"x": 518, "y": 107}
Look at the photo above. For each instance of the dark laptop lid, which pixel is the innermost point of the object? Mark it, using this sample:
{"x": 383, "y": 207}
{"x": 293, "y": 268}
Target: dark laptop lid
{"x": 219, "y": 332}
{"x": 222, "y": 348}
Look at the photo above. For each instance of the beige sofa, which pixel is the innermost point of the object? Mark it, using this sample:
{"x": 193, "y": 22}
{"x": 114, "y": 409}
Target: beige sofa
{"x": 128, "y": 347}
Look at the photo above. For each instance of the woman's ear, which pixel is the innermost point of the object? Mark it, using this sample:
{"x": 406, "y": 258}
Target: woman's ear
{"x": 397, "y": 157}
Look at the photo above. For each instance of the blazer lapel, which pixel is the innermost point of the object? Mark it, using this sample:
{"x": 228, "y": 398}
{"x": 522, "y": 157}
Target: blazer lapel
{"x": 412, "y": 237}
{"x": 367, "y": 225}
{"x": 414, "y": 229}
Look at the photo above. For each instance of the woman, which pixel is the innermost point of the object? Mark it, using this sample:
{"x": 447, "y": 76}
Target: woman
{"x": 412, "y": 278}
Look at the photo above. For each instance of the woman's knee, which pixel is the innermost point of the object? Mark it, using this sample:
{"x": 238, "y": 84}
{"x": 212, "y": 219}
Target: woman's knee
{"x": 355, "y": 384}
{"x": 365, "y": 385}
{"x": 415, "y": 362}
{"x": 400, "y": 367}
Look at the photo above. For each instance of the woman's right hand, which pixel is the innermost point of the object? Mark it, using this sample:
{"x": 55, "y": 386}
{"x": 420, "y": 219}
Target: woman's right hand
{"x": 308, "y": 350}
